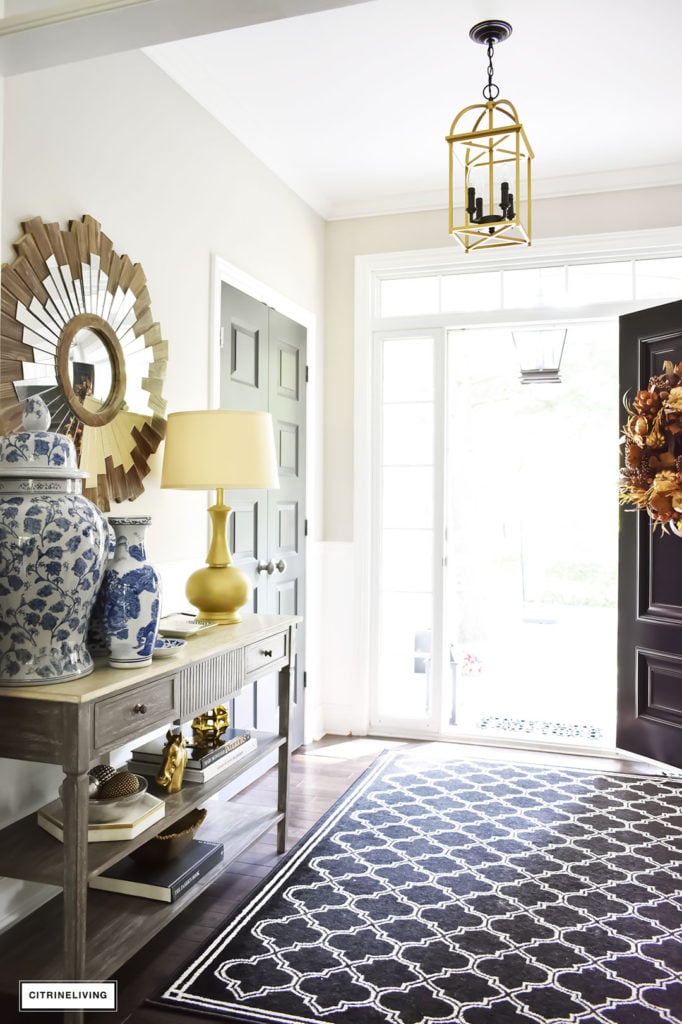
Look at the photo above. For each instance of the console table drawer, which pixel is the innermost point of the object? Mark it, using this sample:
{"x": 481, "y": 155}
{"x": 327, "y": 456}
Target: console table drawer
{"x": 207, "y": 683}
{"x": 261, "y": 656}
{"x": 128, "y": 715}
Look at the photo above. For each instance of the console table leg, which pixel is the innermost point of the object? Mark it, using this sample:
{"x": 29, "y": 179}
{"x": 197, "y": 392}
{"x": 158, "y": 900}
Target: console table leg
{"x": 75, "y": 800}
{"x": 283, "y": 764}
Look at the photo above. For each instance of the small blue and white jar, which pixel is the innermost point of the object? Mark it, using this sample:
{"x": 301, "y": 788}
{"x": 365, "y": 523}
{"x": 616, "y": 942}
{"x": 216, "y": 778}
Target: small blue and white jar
{"x": 53, "y": 545}
{"x": 129, "y": 605}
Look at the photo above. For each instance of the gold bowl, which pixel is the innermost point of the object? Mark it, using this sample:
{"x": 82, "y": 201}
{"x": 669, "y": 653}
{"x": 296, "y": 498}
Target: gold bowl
{"x": 165, "y": 846}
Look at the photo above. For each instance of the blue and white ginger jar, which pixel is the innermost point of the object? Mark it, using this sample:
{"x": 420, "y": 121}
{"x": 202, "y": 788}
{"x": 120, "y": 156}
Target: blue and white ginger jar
{"x": 126, "y": 617}
{"x": 53, "y": 545}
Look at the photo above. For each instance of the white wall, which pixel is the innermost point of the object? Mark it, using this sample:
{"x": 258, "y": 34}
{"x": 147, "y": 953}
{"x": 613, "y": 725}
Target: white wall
{"x": 115, "y": 138}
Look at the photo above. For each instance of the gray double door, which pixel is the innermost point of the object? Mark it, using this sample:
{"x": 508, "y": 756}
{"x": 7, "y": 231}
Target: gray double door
{"x": 263, "y": 367}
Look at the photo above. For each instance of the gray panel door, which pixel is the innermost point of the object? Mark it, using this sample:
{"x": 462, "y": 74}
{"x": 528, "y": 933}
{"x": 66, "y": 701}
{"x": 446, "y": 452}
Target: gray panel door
{"x": 263, "y": 366}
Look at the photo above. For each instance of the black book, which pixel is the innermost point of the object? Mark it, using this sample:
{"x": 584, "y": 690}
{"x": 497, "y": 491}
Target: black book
{"x": 198, "y": 757}
{"x": 217, "y": 767}
{"x": 165, "y": 882}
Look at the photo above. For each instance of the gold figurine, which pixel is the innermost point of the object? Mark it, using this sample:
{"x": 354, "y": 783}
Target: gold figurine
{"x": 174, "y": 760}
{"x": 209, "y": 727}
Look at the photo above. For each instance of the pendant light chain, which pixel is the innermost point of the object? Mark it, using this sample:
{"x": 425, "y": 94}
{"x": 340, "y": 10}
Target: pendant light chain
{"x": 491, "y": 91}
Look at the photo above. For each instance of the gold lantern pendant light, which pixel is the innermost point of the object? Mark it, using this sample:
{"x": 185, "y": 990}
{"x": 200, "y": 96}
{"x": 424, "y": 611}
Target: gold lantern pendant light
{"x": 489, "y": 142}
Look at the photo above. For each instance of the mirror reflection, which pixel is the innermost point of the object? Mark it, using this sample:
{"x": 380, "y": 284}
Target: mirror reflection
{"x": 91, "y": 370}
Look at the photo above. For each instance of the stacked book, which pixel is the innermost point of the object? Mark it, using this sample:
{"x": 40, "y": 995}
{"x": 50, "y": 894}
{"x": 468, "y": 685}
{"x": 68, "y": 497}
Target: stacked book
{"x": 203, "y": 763}
{"x": 165, "y": 882}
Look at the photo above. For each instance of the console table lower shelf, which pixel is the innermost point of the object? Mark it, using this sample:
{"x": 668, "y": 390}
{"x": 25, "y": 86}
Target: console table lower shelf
{"x": 117, "y": 924}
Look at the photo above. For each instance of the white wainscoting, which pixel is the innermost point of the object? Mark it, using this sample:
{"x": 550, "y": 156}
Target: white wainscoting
{"x": 344, "y": 683}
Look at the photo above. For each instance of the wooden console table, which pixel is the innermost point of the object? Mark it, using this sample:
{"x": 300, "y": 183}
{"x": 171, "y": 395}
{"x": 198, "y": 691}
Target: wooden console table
{"x": 87, "y": 934}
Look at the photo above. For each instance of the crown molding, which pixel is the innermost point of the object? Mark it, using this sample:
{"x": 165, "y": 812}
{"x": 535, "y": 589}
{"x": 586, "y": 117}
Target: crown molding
{"x": 622, "y": 180}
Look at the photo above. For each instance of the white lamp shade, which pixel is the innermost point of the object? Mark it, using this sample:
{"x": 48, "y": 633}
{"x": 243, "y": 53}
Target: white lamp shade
{"x": 228, "y": 448}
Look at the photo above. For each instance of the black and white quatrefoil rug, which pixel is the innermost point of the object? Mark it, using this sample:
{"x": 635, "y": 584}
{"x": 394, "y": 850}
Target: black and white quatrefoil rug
{"x": 472, "y": 892}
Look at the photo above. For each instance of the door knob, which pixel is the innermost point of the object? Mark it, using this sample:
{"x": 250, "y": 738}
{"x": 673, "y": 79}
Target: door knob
{"x": 269, "y": 567}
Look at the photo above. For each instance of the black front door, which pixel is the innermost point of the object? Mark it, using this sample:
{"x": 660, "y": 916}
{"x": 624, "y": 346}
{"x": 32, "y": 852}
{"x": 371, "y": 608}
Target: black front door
{"x": 650, "y": 573}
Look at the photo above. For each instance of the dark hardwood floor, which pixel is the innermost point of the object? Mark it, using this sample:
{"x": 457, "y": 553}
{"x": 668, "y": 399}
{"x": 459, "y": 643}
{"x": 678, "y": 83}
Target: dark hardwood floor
{"x": 320, "y": 773}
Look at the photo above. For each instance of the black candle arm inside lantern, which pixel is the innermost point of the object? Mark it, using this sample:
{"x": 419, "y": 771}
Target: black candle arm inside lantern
{"x": 475, "y": 206}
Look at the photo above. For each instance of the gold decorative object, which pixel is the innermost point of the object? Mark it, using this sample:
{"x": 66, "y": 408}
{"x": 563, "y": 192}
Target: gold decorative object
{"x": 651, "y": 477}
{"x": 118, "y": 785}
{"x": 222, "y": 449}
{"x": 165, "y": 846}
{"x": 209, "y": 727}
{"x": 489, "y": 142}
{"x": 174, "y": 760}
{"x": 77, "y": 330}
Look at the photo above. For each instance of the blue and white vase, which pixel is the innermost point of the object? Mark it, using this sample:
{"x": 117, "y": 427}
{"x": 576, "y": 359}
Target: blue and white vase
{"x": 97, "y": 642}
{"x": 53, "y": 545}
{"x": 129, "y": 603}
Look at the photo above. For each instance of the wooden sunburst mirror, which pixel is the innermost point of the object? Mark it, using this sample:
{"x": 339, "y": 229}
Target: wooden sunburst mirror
{"x": 77, "y": 329}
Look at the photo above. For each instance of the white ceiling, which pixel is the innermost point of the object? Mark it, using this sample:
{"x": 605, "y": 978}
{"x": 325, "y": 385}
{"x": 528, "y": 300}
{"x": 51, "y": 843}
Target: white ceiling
{"x": 349, "y": 101}
{"x": 350, "y": 106}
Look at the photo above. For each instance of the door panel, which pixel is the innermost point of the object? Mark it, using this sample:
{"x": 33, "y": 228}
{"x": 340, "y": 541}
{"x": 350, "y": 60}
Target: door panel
{"x": 244, "y": 385}
{"x": 244, "y": 356}
{"x": 286, "y": 507}
{"x": 263, "y": 363}
{"x": 244, "y": 530}
{"x": 650, "y": 574}
{"x": 286, "y": 597}
{"x": 244, "y": 360}
{"x": 248, "y": 539}
{"x": 288, "y": 446}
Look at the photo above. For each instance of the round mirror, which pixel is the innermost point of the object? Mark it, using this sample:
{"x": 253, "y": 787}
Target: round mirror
{"x": 91, "y": 372}
{"x": 78, "y": 331}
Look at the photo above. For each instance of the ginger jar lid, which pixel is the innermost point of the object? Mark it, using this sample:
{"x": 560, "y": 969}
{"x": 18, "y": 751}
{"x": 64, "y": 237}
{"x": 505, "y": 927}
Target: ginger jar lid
{"x": 35, "y": 450}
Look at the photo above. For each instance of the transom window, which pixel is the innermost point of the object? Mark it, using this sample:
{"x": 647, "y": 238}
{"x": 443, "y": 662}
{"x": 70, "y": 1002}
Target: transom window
{"x": 568, "y": 285}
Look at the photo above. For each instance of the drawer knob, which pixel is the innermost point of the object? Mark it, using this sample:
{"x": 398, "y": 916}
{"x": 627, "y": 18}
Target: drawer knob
{"x": 268, "y": 567}
{"x": 266, "y": 654}
{"x": 281, "y": 566}
{"x": 140, "y": 709}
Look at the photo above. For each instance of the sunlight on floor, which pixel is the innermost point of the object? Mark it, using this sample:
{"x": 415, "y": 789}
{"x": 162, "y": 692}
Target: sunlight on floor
{"x": 354, "y": 748}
